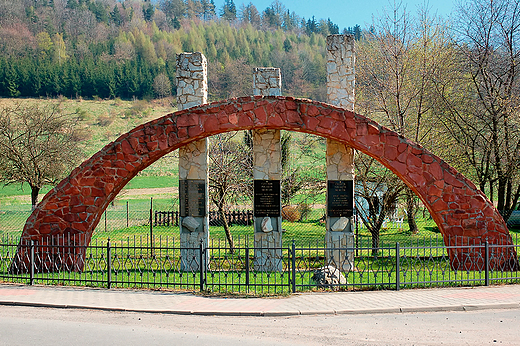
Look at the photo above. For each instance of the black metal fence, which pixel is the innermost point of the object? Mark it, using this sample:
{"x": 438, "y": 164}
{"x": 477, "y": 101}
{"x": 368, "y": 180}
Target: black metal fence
{"x": 134, "y": 263}
{"x": 235, "y": 217}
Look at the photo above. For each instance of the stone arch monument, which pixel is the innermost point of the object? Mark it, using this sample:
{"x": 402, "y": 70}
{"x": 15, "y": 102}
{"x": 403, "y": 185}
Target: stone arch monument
{"x": 70, "y": 212}
{"x": 75, "y": 206}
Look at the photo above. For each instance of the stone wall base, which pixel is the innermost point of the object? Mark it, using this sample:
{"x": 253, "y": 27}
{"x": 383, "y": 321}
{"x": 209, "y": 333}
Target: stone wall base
{"x": 341, "y": 253}
{"x": 268, "y": 252}
{"x": 190, "y": 253}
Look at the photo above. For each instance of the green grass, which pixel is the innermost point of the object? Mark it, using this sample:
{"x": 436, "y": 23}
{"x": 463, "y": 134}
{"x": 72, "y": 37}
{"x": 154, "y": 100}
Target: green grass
{"x": 150, "y": 182}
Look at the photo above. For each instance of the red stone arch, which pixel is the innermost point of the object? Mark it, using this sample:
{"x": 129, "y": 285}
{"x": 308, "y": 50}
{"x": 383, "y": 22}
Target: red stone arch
{"x": 75, "y": 206}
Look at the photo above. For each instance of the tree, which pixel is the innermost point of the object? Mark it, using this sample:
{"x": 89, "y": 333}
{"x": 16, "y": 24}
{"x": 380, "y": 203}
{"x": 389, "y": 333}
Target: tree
{"x": 148, "y": 11}
{"x": 296, "y": 180}
{"x": 194, "y": 9}
{"x": 249, "y": 14}
{"x": 162, "y": 85}
{"x": 230, "y": 80}
{"x": 230, "y": 175}
{"x": 116, "y": 17}
{"x": 60, "y": 50}
{"x": 38, "y": 146}
{"x": 479, "y": 99}
{"x": 377, "y": 192}
{"x": 397, "y": 64}
{"x": 174, "y": 9}
{"x": 228, "y": 11}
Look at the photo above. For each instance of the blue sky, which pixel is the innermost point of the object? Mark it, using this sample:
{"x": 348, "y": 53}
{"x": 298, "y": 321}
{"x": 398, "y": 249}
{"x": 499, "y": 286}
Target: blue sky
{"x": 346, "y": 13}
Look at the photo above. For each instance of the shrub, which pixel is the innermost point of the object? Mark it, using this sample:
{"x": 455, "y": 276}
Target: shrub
{"x": 105, "y": 120}
{"x": 139, "y": 109}
{"x": 291, "y": 213}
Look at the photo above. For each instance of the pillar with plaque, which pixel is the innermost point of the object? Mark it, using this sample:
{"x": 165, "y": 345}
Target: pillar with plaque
{"x": 193, "y": 165}
{"x": 267, "y": 173}
{"x": 339, "y": 236}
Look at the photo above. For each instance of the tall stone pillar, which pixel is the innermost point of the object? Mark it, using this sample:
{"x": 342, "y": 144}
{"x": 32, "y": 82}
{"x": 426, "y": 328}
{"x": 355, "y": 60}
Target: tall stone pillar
{"x": 267, "y": 175}
{"x": 340, "y": 158}
{"x": 192, "y": 90}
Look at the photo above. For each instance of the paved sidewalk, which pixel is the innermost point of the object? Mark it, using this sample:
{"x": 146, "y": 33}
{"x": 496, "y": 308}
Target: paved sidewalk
{"x": 369, "y": 302}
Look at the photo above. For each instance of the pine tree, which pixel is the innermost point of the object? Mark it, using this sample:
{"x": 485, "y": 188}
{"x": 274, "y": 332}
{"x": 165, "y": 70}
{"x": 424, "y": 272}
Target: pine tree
{"x": 116, "y": 17}
{"x": 228, "y": 11}
{"x": 148, "y": 12}
{"x": 11, "y": 81}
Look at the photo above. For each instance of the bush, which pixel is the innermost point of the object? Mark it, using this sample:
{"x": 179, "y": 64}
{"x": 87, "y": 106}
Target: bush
{"x": 139, "y": 109}
{"x": 82, "y": 114}
{"x": 291, "y": 213}
{"x": 105, "y": 120}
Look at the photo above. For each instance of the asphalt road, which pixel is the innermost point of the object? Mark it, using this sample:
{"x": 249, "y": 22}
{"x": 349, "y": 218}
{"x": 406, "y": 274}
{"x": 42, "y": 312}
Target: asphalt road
{"x": 48, "y": 326}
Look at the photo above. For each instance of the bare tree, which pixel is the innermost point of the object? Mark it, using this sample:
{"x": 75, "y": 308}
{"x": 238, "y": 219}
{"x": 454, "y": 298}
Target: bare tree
{"x": 38, "y": 146}
{"x": 377, "y": 192}
{"x": 480, "y": 97}
{"x": 396, "y": 65}
{"x": 162, "y": 86}
{"x": 230, "y": 175}
{"x": 298, "y": 181}
{"x": 230, "y": 80}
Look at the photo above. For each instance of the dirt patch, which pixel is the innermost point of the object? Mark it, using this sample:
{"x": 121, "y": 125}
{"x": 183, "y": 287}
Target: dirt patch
{"x": 124, "y": 194}
{"x": 152, "y": 191}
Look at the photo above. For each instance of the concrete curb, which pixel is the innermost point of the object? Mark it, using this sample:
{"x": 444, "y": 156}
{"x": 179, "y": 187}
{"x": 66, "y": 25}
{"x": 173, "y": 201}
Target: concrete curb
{"x": 393, "y": 310}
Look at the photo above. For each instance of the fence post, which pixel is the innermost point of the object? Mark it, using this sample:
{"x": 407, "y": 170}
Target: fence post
{"x": 109, "y": 264}
{"x": 357, "y": 233}
{"x": 201, "y": 267}
{"x": 127, "y": 216}
{"x": 105, "y": 220}
{"x": 151, "y": 227}
{"x": 293, "y": 266}
{"x": 31, "y": 281}
{"x": 247, "y": 267}
{"x": 486, "y": 262}
{"x": 397, "y": 266}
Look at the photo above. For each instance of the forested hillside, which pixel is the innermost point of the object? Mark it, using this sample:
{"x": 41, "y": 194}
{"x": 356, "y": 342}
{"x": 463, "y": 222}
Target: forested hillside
{"x": 107, "y": 48}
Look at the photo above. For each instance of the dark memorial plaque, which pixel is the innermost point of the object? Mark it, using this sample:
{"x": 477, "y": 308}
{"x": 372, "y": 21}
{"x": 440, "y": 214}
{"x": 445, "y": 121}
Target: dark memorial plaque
{"x": 192, "y": 197}
{"x": 267, "y": 198}
{"x": 340, "y": 198}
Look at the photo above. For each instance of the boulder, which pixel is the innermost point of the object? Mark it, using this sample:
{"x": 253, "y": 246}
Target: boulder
{"x": 328, "y": 277}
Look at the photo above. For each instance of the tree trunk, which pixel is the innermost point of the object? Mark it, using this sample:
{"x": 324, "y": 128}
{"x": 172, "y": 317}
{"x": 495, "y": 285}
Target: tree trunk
{"x": 411, "y": 210}
{"x": 375, "y": 231}
{"x": 226, "y": 229}
{"x": 375, "y": 241}
{"x": 34, "y": 195}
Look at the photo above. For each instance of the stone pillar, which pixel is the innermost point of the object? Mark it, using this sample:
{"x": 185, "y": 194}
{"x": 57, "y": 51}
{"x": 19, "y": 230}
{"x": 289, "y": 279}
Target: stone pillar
{"x": 267, "y": 175}
{"x": 192, "y": 90}
{"x": 340, "y": 158}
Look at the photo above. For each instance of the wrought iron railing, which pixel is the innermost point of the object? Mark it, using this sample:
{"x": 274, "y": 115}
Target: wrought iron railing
{"x": 135, "y": 263}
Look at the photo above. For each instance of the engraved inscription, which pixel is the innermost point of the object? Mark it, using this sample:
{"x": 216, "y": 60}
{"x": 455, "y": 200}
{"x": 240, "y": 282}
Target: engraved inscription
{"x": 267, "y": 198}
{"x": 340, "y": 198}
{"x": 192, "y": 197}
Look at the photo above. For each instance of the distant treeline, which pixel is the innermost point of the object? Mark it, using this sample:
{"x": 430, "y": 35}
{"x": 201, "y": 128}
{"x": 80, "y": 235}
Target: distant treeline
{"x": 128, "y": 49}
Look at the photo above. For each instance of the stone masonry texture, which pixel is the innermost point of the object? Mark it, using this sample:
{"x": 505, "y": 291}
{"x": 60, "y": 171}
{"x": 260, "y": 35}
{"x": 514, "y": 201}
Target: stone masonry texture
{"x": 76, "y": 204}
{"x": 340, "y": 157}
{"x": 267, "y": 165}
{"x": 340, "y": 92}
{"x": 341, "y": 77}
{"x": 192, "y": 90}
